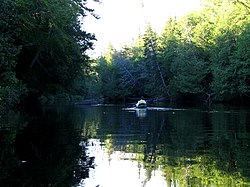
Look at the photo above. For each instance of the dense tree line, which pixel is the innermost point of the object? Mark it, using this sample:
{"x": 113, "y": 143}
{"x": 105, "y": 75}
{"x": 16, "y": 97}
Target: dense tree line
{"x": 204, "y": 55}
{"x": 201, "y": 55}
{"x": 42, "y": 49}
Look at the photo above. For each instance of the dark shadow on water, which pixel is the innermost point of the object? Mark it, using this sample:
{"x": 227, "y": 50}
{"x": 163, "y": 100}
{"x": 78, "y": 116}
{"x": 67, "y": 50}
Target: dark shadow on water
{"x": 44, "y": 151}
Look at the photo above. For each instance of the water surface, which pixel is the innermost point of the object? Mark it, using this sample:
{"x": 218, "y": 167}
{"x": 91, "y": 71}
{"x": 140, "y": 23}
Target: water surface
{"x": 109, "y": 146}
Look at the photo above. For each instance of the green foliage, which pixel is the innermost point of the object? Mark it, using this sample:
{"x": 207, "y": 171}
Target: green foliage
{"x": 42, "y": 46}
{"x": 188, "y": 76}
{"x": 53, "y": 44}
{"x": 11, "y": 89}
{"x": 231, "y": 74}
{"x": 42, "y": 50}
{"x": 154, "y": 82}
{"x": 107, "y": 77}
{"x": 204, "y": 53}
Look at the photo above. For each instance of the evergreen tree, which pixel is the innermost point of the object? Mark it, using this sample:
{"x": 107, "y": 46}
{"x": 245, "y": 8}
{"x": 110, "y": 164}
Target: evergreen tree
{"x": 155, "y": 84}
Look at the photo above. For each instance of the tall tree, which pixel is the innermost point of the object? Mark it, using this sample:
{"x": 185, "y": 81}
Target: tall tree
{"x": 154, "y": 72}
{"x": 168, "y": 45}
{"x": 225, "y": 65}
{"x": 184, "y": 57}
{"x": 52, "y": 58}
{"x": 107, "y": 75}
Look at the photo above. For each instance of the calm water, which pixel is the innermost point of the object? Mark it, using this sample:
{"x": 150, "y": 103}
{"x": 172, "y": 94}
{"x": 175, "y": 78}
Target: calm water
{"x": 108, "y": 146}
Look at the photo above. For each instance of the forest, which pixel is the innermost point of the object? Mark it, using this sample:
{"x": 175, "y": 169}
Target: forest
{"x": 203, "y": 56}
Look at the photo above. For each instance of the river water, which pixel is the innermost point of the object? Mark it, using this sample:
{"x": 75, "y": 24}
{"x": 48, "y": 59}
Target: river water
{"x": 109, "y": 146}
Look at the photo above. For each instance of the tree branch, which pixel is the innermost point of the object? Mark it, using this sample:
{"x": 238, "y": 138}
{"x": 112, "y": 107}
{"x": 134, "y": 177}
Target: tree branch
{"x": 244, "y": 4}
{"x": 35, "y": 59}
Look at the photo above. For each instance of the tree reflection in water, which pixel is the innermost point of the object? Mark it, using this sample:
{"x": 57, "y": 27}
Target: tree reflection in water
{"x": 43, "y": 149}
{"x": 107, "y": 146}
{"x": 187, "y": 147}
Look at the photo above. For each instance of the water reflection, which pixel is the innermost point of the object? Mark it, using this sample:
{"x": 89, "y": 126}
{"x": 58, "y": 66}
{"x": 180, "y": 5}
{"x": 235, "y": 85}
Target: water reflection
{"x": 181, "y": 148}
{"x": 118, "y": 168}
{"x": 42, "y": 149}
{"x": 108, "y": 146}
{"x": 141, "y": 113}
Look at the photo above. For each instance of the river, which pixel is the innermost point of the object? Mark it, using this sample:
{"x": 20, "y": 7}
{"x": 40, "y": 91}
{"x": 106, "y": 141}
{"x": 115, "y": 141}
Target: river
{"x": 110, "y": 146}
